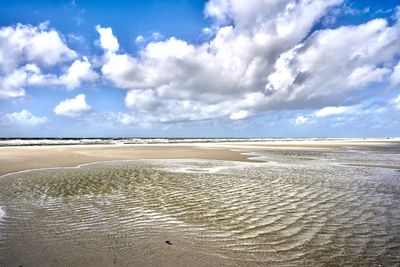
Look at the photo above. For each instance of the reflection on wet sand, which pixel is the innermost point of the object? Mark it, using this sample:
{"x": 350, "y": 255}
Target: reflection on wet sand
{"x": 297, "y": 208}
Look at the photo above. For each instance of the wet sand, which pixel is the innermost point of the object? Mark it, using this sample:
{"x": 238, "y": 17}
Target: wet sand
{"x": 13, "y": 159}
{"x": 375, "y": 166}
{"x": 308, "y": 204}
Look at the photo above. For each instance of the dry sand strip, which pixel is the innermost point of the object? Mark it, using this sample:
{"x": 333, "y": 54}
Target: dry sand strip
{"x": 13, "y": 159}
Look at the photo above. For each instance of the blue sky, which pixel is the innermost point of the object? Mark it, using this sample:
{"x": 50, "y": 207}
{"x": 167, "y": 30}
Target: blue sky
{"x": 200, "y": 68}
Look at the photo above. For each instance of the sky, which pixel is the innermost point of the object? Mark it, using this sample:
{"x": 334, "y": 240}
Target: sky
{"x": 217, "y": 68}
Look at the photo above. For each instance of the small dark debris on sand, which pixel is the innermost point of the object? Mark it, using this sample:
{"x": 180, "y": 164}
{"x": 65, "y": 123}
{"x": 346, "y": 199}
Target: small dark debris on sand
{"x": 168, "y": 242}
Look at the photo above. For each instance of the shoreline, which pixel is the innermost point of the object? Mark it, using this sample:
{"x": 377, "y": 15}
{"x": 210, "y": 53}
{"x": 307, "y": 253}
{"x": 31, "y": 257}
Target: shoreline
{"x": 251, "y": 160}
{"x": 17, "y": 159}
{"x": 21, "y": 158}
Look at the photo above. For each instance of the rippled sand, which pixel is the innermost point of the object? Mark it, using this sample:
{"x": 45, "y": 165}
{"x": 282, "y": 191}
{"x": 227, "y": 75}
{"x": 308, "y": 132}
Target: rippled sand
{"x": 298, "y": 208}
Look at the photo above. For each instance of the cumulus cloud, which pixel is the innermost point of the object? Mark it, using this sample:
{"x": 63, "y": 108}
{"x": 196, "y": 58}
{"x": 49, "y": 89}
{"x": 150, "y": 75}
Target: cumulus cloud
{"x": 73, "y": 108}
{"x": 23, "y": 50}
{"x": 23, "y": 118}
{"x": 261, "y": 57}
{"x": 12, "y": 85}
{"x": 230, "y": 68}
{"x": 107, "y": 40}
{"x": 334, "y": 63}
{"x": 80, "y": 71}
{"x": 29, "y": 44}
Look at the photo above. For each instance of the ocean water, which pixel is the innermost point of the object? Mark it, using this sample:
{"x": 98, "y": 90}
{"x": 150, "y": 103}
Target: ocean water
{"x": 136, "y": 140}
{"x": 298, "y": 208}
{"x": 121, "y": 141}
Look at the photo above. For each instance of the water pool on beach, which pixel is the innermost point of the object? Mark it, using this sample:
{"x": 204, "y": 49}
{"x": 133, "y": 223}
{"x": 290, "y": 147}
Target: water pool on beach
{"x": 298, "y": 208}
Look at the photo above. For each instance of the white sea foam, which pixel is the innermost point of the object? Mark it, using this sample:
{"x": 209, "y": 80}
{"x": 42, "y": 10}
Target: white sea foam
{"x": 2, "y": 214}
{"x": 122, "y": 141}
{"x": 196, "y": 169}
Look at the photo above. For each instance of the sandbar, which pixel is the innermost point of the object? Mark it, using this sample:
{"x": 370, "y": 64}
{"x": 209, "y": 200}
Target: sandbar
{"x": 20, "y": 158}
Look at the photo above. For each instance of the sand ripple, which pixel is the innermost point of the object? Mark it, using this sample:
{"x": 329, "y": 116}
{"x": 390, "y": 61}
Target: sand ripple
{"x": 306, "y": 210}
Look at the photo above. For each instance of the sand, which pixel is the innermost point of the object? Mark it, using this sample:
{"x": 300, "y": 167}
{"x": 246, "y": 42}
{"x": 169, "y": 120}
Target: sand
{"x": 375, "y": 166}
{"x": 316, "y": 195}
{"x": 13, "y": 159}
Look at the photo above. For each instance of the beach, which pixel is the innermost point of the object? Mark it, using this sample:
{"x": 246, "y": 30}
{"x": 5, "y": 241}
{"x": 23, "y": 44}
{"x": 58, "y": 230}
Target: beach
{"x": 14, "y": 159}
{"x": 20, "y": 158}
{"x": 261, "y": 203}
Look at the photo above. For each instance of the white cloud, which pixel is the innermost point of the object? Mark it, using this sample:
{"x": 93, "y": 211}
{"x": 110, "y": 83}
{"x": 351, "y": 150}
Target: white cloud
{"x": 156, "y": 36}
{"x": 12, "y": 85}
{"x": 73, "y": 108}
{"x": 395, "y": 76}
{"x": 107, "y": 40}
{"x": 238, "y": 115}
{"x": 80, "y": 71}
{"x": 149, "y": 107}
{"x": 218, "y": 9}
{"x": 207, "y": 31}
{"x": 142, "y": 100}
{"x": 334, "y": 63}
{"x": 24, "y": 118}
{"x": 29, "y": 44}
{"x": 23, "y": 50}
{"x": 139, "y": 39}
{"x": 118, "y": 69}
{"x": 365, "y": 75}
{"x": 261, "y": 57}
{"x": 333, "y": 111}
{"x": 126, "y": 119}
{"x": 301, "y": 120}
